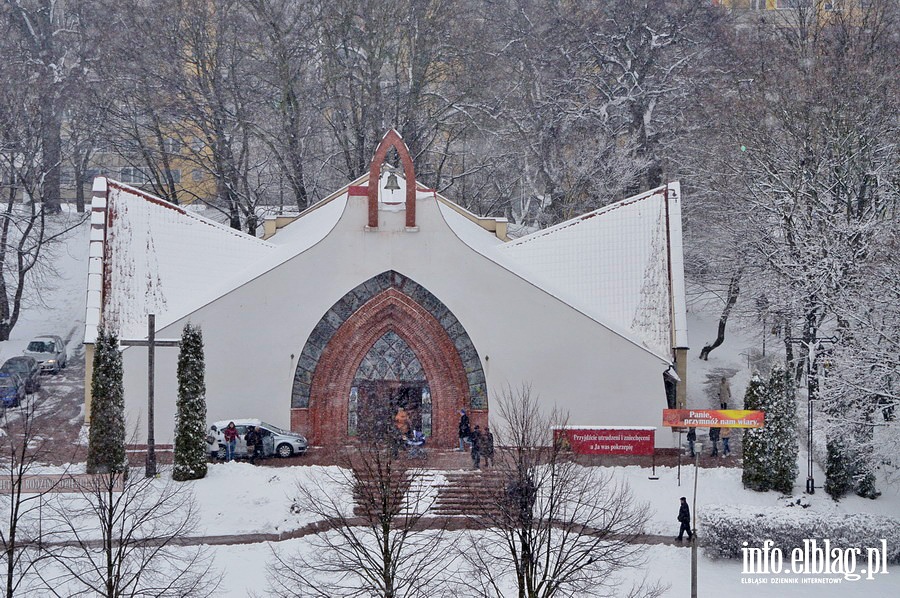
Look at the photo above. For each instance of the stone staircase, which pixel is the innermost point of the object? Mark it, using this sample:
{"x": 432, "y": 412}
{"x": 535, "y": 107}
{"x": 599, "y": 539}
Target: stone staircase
{"x": 470, "y": 493}
{"x": 444, "y": 480}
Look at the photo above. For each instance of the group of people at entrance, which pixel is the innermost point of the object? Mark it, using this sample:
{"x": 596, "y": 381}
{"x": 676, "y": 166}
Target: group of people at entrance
{"x": 481, "y": 443}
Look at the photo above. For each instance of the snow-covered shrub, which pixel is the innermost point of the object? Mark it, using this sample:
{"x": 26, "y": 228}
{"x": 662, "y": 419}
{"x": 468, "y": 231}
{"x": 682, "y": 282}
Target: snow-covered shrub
{"x": 190, "y": 417}
{"x": 724, "y": 529}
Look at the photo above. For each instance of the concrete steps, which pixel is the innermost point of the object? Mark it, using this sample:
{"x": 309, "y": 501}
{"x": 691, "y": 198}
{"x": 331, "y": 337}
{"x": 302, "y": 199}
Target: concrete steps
{"x": 472, "y": 493}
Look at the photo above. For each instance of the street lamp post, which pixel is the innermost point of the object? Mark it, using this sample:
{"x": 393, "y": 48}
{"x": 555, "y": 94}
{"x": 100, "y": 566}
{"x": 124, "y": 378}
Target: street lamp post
{"x": 812, "y": 357}
{"x": 698, "y": 448}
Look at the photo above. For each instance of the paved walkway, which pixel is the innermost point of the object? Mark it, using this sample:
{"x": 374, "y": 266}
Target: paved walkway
{"x": 426, "y": 523}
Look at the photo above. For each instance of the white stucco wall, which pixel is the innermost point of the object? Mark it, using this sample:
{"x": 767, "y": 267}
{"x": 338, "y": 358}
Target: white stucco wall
{"x": 254, "y": 334}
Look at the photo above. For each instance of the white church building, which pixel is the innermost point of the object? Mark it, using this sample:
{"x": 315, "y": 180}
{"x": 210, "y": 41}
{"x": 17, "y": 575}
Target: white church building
{"x": 378, "y": 298}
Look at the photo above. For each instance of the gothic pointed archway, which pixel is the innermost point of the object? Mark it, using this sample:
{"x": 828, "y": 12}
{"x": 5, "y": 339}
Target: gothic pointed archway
{"x": 388, "y": 304}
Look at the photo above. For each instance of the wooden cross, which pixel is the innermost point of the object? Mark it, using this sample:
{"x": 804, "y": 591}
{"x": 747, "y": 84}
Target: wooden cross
{"x": 151, "y": 343}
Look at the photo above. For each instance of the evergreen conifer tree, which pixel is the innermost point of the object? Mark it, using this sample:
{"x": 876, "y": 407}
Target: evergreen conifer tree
{"x": 106, "y": 442}
{"x": 838, "y": 470}
{"x": 781, "y": 432}
{"x": 850, "y": 450}
{"x": 756, "y": 474}
{"x": 190, "y": 417}
{"x": 864, "y": 467}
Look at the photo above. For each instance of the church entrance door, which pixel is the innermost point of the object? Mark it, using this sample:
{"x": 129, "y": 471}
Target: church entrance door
{"x": 380, "y": 402}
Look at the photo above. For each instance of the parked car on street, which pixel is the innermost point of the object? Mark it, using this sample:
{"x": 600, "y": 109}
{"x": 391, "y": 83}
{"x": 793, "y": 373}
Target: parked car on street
{"x": 49, "y": 351}
{"x": 276, "y": 441}
{"x": 12, "y": 390}
{"x": 26, "y": 367}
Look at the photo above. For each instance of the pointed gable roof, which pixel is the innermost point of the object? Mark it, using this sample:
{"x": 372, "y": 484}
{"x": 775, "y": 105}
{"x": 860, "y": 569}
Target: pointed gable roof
{"x": 621, "y": 263}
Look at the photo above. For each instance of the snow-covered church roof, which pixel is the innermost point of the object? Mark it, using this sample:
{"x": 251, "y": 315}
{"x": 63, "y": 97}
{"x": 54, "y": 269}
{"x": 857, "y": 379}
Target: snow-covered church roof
{"x": 148, "y": 255}
{"x": 620, "y": 265}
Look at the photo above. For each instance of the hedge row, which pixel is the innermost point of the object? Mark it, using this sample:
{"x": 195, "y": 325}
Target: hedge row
{"x": 725, "y": 529}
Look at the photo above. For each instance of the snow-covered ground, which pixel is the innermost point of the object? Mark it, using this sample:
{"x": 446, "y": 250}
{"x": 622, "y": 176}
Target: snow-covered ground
{"x": 60, "y": 307}
{"x": 238, "y": 498}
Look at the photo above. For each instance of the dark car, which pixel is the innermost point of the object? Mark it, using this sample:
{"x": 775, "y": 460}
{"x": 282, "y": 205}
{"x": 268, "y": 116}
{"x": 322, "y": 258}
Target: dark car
{"x": 26, "y": 367}
{"x": 12, "y": 390}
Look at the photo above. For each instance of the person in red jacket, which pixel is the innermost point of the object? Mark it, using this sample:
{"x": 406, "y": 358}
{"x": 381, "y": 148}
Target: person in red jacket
{"x": 231, "y": 436}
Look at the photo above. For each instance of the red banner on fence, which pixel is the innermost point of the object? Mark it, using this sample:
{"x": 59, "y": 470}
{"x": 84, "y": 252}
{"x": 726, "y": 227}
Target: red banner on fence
{"x": 607, "y": 440}
{"x": 713, "y": 418}
{"x": 40, "y": 484}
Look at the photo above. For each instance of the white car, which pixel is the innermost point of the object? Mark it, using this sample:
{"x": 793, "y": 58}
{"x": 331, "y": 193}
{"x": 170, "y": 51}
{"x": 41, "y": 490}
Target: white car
{"x": 275, "y": 440}
{"x": 49, "y": 351}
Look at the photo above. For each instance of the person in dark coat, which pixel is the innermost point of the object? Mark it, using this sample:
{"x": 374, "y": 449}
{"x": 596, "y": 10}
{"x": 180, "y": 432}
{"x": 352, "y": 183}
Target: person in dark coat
{"x": 477, "y": 443}
{"x": 252, "y": 438}
{"x": 487, "y": 448}
{"x": 684, "y": 516}
{"x": 259, "y": 450}
{"x": 714, "y": 439}
{"x": 464, "y": 430}
{"x": 692, "y": 438}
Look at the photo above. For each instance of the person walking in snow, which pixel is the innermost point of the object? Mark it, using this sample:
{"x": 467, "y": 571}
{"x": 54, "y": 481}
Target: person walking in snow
{"x": 464, "y": 430}
{"x": 477, "y": 443}
{"x": 726, "y": 437}
{"x": 231, "y": 435}
{"x": 724, "y": 393}
{"x": 684, "y": 516}
{"x": 714, "y": 439}
{"x": 692, "y": 438}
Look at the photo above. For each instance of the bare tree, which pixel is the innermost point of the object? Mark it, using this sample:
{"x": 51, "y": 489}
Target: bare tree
{"x": 24, "y": 446}
{"x": 381, "y": 549}
{"x": 48, "y": 38}
{"x": 554, "y": 527}
{"x": 119, "y": 537}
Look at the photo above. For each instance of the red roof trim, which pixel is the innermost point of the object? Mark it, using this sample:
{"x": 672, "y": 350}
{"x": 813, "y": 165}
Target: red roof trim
{"x": 146, "y": 196}
{"x": 588, "y": 216}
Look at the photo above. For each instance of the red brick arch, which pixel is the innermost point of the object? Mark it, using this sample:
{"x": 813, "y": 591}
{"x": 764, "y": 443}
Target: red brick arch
{"x": 390, "y": 310}
{"x": 392, "y": 139}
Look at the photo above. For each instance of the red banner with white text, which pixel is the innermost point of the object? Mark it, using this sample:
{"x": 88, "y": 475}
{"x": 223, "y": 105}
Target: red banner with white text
{"x": 607, "y": 440}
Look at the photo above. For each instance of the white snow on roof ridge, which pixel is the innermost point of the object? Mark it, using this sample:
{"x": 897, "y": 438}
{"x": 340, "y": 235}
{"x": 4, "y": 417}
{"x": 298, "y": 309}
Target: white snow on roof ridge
{"x": 585, "y": 217}
{"x": 190, "y": 214}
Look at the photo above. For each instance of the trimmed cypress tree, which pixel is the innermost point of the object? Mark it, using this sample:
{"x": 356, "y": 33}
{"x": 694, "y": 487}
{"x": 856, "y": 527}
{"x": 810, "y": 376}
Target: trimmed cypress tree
{"x": 781, "y": 432}
{"x": 755, "y": 445}
{"x": 190, "y": 417}
{"x": 106, "y": 441}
